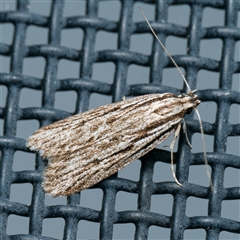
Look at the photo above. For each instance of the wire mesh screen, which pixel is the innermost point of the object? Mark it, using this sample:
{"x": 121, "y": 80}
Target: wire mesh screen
{"x": 68, "y": 65}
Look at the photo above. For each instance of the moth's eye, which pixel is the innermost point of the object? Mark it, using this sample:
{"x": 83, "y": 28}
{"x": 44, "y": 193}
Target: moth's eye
{"x": 189, "y": 110}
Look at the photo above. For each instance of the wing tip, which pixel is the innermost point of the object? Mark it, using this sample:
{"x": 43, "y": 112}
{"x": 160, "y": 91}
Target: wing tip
{"x": 34, "y": 148}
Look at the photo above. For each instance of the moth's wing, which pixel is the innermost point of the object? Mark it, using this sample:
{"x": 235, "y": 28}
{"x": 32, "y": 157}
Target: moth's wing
{"x": 65, "y": 176}
{"x": 83, "y": 130}
{"x": 86, "y": 148}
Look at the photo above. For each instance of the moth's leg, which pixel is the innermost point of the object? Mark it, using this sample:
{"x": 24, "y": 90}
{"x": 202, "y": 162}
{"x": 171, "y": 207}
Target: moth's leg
{"x": 204, "y": 148}
{"x": 171, "y": 147}
{"x": 185, "y": 132}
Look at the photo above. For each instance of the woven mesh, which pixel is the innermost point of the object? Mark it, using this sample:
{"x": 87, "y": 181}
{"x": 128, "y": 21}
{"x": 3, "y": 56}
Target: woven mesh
{"x": 177, "y": 223}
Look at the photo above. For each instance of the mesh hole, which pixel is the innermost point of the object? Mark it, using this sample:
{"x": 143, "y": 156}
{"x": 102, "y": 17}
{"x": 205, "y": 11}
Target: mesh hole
{"x": 42, "y": 8}
{"x": 51, "y": 201}
{"x": 36, "y": 35}
{"x": 179, "y": 14}
{"x": 198, "y": 175}
{"x": 194, "y": 234}
{"x": 8, "y": 6}
{"x": 162, "y": 204}
{"x": 212, "y": 17}
{"x": 88, "y": 230}
{"x": 196, "y": 207}
{"x": 21, "y": 193}
{"x": 17, "y": 224}
{"x": 138, "y": 74}
{"x": 26, "y": 128}
{"x": 68, "y": 69}
{"x": 131, "y": 171}
{"x": 234, "y": 114}
{"x": 8, "y": 30}
{"x": 23, "y": 161}
{"x": 53, "y": 227}
{"x": 72, "y": 38}
{"x": 123, "y": 231}
{"x": 3, "y": 96}
{"x": 106, "y": 40}
{"x": 237, "y": 48}
{"x": 65, "y": 100}
{"x": 231, "y": 177}
{"x": 211, "y": 48}
{"x": 162, "y": 172}
{"x": 5, "y": 64}
{"x": 89, "y": 199}
{"x": 176, "y": 46}
{"x": 233, "y": 144}
{"x": 30, "y": 69}
{"x": 34, "y": 95}
{"x": 74, "y": 8}
{"x": 111, "y": 15}
{"x": 207, "y": 80}
{"x": 236, "y": 82}
{"x": 97, "y": 100}
{"x": 126, "y": 201}
{"x": 172, "y": 78}
{"x": 166, "y": 143}
{"x": 208, "y": 111}
{"x": 228, "y": 235}
{"x": 154, "y": 231}
{"x": 1, "y": 127}
{"x": 149, "y": 10}
{"x": 231, "y": 209}
{"x": 141, "y": 43}
{"x": 197, "y": 143}
{"x": 104, "y": 72}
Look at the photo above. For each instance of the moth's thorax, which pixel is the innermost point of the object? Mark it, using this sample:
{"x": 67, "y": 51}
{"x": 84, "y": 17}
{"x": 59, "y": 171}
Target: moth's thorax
{"x": 189, "y": 101}
{"x": 172, "y": 104}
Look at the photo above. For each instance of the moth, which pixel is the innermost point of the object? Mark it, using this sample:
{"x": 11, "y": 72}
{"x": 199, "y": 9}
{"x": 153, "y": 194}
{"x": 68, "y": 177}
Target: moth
{"x": 88, "y": 147}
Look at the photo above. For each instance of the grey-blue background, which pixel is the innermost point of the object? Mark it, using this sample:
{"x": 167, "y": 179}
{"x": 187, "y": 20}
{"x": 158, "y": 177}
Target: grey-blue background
{"x": 104, "y": 72}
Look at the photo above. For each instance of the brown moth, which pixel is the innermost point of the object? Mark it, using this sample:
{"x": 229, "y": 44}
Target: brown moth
{"x": 91, "y": 146}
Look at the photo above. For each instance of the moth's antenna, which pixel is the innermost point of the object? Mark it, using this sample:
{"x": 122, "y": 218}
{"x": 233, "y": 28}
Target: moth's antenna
{"x": 189, "y": 92}
{"x": 171, "y": 147}
{"x": 169, "y": 55}
{"x": 185, "y": 132}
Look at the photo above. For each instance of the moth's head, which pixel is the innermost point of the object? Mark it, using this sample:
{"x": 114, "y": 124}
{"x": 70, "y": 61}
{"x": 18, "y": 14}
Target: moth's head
{"x": 190, "y": 101}
{"x": 195, "y": 102}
